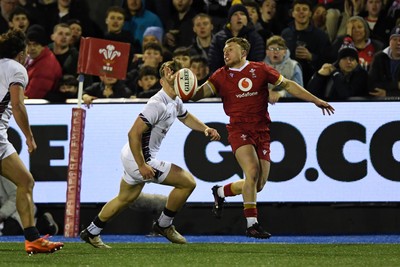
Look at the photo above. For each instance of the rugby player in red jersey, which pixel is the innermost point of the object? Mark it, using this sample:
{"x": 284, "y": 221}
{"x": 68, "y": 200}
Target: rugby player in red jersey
{"x": 243, "y": 88}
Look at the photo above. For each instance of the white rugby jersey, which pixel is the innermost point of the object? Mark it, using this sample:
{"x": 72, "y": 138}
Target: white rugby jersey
{"x": 11, "y": 72}
{"x": 159, "y": 114}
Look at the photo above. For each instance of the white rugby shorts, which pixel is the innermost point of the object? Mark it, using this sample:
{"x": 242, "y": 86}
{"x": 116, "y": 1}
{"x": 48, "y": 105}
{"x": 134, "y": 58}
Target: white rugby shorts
{"x": 131, "y": 173}
{"x": 6, "y": 148}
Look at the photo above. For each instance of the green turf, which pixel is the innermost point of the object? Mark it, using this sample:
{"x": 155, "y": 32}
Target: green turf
{"x": 207, "y": 254}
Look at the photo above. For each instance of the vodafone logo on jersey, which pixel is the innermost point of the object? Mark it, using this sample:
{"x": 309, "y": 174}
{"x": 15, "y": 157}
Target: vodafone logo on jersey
{"x": 245, "y": 84}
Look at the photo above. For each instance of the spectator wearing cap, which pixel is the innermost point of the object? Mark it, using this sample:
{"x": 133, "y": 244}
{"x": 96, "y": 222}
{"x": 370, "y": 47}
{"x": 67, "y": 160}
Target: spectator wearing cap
{"x": 307, "y": 44}
{"x": 237, "y": 26}
{"x": 44, "y": 71}
{"x": 384, "y": 73}
{"x": 343, "y": 79}
{"x": 155, "y": 34}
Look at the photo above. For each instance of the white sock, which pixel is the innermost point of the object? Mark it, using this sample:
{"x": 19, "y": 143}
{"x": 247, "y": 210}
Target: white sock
{"x": 220, "y": 191}
{"x": 93, "y": 229}
{"x": 164, "y": 220}
{"x": 251, "y": 221}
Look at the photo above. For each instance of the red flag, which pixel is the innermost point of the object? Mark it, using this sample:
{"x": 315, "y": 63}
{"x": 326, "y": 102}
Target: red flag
{"x": 103, "y": 57}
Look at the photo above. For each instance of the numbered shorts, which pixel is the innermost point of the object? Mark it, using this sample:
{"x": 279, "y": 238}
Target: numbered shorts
{"x": 131, "y": 173}
{"x": 240, "y": 134}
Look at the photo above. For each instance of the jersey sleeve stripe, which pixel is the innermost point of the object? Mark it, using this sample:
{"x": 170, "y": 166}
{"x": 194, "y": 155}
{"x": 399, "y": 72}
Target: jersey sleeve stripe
{"x": 211, "y": 87}
{"x": 183, "y": 115}
{"x": 279, "y": 81}
{"x": 145, "y": 120}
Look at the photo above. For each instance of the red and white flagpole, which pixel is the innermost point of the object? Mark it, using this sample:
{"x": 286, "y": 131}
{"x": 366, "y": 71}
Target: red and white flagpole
{"x": 72, "y": 208}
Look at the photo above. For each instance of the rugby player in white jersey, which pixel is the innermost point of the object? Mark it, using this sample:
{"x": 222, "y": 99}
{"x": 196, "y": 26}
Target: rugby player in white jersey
{"x": 13, "y": 79}
{"x": 141, "y": 165}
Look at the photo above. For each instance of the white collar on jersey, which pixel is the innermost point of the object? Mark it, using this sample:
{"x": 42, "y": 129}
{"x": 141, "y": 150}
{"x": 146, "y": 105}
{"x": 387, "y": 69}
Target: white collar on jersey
{"x": 242, "y": 67}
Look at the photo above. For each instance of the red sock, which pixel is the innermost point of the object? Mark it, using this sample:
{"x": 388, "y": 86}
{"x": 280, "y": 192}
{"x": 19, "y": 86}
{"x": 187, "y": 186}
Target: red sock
{"x": 228, "y": 191}
{"x": 252, "y": 212}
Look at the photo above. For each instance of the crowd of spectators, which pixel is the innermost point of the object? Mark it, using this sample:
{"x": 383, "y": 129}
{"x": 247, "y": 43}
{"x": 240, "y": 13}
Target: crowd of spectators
{"x": 337, "y": 49}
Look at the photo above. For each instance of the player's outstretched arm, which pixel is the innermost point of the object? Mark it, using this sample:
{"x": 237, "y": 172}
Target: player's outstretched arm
{"x": 203, "y": 91}
{"x": 195, "y": 124}
{"x": 298, "y": 91}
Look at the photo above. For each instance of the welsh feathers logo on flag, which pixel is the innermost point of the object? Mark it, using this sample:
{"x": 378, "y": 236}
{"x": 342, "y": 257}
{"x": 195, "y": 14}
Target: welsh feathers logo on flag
{"x": 103, "y": 57}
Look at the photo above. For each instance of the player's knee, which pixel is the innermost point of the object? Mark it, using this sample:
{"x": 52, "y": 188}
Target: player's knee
{"x": 192, "y": 184}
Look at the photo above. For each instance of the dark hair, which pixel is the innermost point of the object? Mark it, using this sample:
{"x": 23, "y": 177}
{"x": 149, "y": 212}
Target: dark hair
{"x": 12, "y": 43}
{"x": 116, "y": 9}
{"x": 19, "y": 11}
{"x": 181, "y": 51}
{"x": 199, "y": 59}
{"x": 251, "y": 3}
{"x": 153, "y": 46}
{"x": 68, "y": 79}
{"x": 74, "y": 21}
{"x": 147, "y": 70}
{"x": 302, "y": 2}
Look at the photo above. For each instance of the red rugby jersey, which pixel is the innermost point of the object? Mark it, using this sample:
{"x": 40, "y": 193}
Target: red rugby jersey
{"x": 244, "y": 91}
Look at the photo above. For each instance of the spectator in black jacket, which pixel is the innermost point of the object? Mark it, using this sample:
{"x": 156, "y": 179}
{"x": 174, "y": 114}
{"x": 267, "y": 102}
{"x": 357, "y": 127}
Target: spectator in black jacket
{"x": 384, "y": 73}
{"x": 148, "y": 82}
{"x": 203, "y": 28}
{"x": 307, "y": 44}
{"x": 108, "y": 87}
{"x": 343, "y": 79}
{"x": 238, "y": 25}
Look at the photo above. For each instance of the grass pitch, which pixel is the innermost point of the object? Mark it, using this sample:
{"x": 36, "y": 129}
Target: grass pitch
{"x": 207, "y": 254}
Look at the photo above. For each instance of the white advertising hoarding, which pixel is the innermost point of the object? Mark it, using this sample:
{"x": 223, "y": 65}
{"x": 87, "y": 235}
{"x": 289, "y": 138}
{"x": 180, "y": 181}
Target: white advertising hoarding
{"x": 351, "y": 156}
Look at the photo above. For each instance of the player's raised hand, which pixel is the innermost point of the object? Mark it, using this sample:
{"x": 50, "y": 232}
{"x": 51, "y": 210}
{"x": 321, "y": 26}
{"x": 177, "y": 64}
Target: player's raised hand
{"x": 325, "y": 106}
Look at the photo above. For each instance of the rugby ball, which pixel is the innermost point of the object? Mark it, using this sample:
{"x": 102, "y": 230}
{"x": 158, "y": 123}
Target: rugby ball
{"x": 185, "y": 84}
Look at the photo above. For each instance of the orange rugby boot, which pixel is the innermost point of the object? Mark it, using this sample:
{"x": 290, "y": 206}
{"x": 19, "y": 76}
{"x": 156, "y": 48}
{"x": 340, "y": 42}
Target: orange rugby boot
{"x": 42, "y": 245}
